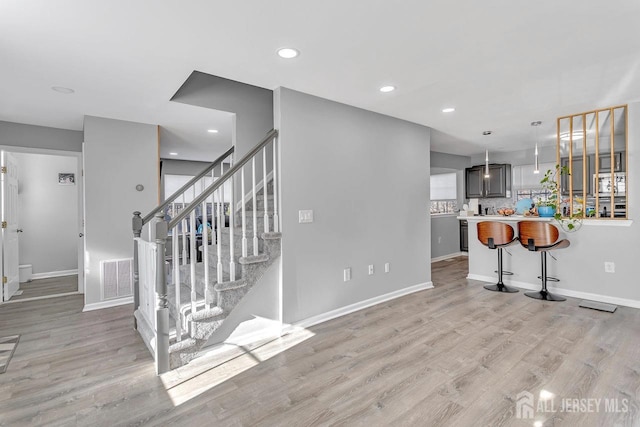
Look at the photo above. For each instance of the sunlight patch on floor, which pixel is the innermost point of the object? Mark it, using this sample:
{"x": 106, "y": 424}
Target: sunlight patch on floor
{"x": 230, "y": 360}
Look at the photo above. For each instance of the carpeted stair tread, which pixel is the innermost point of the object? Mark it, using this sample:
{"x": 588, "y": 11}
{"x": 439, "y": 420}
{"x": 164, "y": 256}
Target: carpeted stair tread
{"x": 206, "y": 315}
{"x": 253, "y": 259}
{"x": 183, "y": 345}
{"x": 227, "y": 286}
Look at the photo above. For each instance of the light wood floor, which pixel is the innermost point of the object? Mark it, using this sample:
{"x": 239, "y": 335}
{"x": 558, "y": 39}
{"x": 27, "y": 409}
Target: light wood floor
{"x": 456, "y": 355}
{"x": 47, "y": 287}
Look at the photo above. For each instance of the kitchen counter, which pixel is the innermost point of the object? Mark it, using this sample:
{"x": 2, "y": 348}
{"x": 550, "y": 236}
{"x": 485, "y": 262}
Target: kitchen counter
{"x": 511, "y": 218}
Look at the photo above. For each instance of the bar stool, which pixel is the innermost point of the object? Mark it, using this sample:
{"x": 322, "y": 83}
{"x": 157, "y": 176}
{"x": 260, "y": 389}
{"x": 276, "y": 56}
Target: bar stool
{"x": 541, "y": 237}
{"x": 497, "y": 235}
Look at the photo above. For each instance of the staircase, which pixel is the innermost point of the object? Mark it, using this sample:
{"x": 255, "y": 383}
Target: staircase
{"x": 180, "y": 301}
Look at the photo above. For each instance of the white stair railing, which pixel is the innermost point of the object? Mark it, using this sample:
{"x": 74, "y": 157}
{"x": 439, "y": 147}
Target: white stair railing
{"x": 189, "y": 254}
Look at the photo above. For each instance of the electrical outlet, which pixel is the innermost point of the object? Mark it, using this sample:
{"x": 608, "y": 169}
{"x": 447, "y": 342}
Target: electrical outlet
{"x": 305, "y": 217}
{"x": 387, "y": 267}
{"x": 347, "y": 274}
{"x": 370, "y": 269}
{"x": 609, "y": 267}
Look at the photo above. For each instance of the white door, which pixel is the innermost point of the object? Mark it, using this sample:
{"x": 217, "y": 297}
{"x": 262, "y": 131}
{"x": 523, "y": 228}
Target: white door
{"x": 81, "y": 242}
{"x": 9, "y": 202}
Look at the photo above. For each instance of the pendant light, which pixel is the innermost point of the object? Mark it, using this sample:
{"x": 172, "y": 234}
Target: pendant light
{"x": 537, "y": 163}
{"x": 486, "y": 157}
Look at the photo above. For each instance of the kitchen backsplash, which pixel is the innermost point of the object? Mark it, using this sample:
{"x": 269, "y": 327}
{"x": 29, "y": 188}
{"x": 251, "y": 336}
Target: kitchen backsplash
{"x": 495, "y": 204}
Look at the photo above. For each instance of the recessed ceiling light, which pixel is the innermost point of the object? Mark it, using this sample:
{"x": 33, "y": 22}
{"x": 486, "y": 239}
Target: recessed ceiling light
{"x": 448, "y": 110}
{"x": 387, "y": 89}
{"x": 64, "y": 90}
{"x": 213, "y": 131}
{"x": 173, "y": 153}
{"x": 288, "y": 52}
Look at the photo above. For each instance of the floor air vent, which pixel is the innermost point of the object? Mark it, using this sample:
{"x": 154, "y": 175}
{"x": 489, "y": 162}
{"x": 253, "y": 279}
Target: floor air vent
{"x": 116, "y": 278}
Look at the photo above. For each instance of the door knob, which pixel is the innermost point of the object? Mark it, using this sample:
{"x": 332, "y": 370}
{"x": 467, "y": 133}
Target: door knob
{"x": 19, "y": 230}
{"x": 81, "y": 235}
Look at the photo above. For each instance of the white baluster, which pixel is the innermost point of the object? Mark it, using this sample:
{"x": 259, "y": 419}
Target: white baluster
{"x": 276, "y": 219}
{"x": 184, "y": 234}
{"x": 232, "y": 249}
{"x": 255, "y": 212}
{"x": 205, "y": 253}
{"x": 219, "y": 238}
{"x": 192, "y": 260}
{"x": 175, "y": 255}
{"x": 244, "y": 217}
{"x": 264, "y": 189}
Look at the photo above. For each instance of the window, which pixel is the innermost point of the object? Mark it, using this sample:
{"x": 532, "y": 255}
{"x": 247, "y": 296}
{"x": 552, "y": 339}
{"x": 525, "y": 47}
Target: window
{"x": 444, "y": 193}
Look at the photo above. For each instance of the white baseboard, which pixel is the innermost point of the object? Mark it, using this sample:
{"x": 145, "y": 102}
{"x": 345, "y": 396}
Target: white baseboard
{"x": 560, "y": 291}
{"x": 51, "y": 274}
{"x": 108, "y": 303}
{"x": 320, "y": 318}
{"x": 453, "y": 255}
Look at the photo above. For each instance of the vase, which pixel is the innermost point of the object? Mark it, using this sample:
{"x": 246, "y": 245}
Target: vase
{"x": 546, "y": 211}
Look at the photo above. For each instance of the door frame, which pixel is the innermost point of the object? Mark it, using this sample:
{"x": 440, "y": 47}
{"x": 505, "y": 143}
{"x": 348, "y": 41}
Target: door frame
{"x": 80, "y": 188}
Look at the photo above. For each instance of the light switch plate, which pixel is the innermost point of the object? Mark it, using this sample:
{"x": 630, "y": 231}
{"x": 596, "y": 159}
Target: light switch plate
{"x": 387, "y": 267}
{"x": 305, "y": 217}
{"x": 347, "y": 274}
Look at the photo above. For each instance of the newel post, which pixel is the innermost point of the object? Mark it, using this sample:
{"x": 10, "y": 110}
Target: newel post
{"x": 162, "y": 307}
{"x": 136, "y": 224}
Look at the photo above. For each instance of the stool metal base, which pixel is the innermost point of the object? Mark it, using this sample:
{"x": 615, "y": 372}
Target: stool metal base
{"x": 544, "y": 295}
{"x": 499, "y": 287}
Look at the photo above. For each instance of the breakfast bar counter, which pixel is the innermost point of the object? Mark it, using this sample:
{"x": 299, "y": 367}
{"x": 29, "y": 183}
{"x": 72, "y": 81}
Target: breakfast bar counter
{"x": 579, "y": 268}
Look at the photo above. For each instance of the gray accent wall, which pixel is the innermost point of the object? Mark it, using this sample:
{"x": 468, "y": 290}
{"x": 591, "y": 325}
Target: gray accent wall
{"x": 118, "y": 156}
{"x": 366, "y": 177}
{"x": 21, "y": 135}
{"x": 48, "y": 212}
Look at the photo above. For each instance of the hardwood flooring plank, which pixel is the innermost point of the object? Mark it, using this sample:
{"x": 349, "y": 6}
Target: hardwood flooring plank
{"x": 455, "y": 355}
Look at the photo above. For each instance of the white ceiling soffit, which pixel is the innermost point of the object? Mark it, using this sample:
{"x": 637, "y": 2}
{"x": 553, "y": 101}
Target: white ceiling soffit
{"x": 502, "y": 64}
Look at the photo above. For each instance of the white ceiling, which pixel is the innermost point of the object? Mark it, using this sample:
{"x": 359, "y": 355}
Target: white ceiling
{"x": 501, "y": 63}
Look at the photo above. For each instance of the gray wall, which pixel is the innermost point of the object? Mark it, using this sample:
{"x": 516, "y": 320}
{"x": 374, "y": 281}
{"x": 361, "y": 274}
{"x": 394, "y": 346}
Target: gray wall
{"x": 48, "y": 213}
{"x": 580, "y": 267}
{"x": 366, "y": 177}
{"x": 445, "y": 235}
{"x": 449, "y": 161}
{"x": 20, "y": 135}
{"x": 252, "y": 105}
{"x": 179, "y": 167}
{"x": 118, "y": 156}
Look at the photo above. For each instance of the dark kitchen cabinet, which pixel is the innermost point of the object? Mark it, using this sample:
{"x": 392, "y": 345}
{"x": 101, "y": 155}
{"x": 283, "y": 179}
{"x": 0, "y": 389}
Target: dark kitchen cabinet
{"x": 604, "y": 160}
{"x": 464, "y": 235}
{"x": 498, "y": 184}
{"x": 577, "y": 174}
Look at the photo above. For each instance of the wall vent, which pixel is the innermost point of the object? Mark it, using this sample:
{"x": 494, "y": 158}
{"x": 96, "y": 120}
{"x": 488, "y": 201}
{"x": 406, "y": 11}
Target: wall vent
{"x": 116, "y": 278}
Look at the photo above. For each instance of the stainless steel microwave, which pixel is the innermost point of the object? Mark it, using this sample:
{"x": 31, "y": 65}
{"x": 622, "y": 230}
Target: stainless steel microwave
{"x": 603, "y": 183}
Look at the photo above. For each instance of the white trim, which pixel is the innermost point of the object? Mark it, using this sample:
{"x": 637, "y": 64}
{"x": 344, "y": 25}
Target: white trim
{"x": 608, "y": 222}
{"x": 66, "y": 294}
{"x": 565, "y": 292}
{"x": 248, "y": 196}
{"x": 49, "y": 274}
{"x": 108, "y": 303}
{"x": 453, "y": 255}
{"x": 320, "y": 318}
